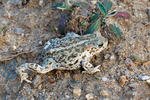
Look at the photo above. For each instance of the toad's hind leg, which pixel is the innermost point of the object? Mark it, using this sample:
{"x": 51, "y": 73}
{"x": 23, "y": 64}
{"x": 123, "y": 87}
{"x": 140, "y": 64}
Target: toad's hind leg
{"x": 48, "y": 65}
{"x": 89, "y": 68}
{"x": 27, "y": 66}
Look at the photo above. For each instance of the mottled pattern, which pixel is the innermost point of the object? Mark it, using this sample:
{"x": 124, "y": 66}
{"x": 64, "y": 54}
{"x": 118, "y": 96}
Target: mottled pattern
{"x": 68, "y": 53}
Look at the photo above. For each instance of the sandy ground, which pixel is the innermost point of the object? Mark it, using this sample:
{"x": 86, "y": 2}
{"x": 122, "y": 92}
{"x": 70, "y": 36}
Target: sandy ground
{"x": 125, "y": 63}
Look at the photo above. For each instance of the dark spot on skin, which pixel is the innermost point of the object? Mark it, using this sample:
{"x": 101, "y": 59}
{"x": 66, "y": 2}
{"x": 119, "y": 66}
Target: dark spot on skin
{"x": 76, "y": 62}
{"x": 70, "y": 64}
{"x": 94, "y": 57}
{"x": 100, "y": 45}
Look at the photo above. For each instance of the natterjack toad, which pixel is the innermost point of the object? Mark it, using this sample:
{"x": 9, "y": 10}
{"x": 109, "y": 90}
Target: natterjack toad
{"x": 68, "y": 53}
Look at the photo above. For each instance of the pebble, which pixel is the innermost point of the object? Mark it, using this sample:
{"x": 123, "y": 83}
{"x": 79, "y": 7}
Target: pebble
{"x": 67, "y": 75}
{"x": 37, "y": 81}
{"x": 148, "y": 81}
{"x": 131, "y": 94}
{"x": 77, "y": 77}
{"x": 129, "y": 62}
{"x": 107, "y": 56}
{"x": 104, "y": 78}
{"x": 67, "y": 97}
{"x": 14, "y": 2}
{"x": 104, "y": 93}
{"x": 94, "y": 2}
{"x": 41, "y": 3}
{"x": 123, "y": 80}
{"x": 113, "y": 57}
{"x": 19, "y": 31}
{"x": 133, "y": 85}
{"x": 77, "y": 92}
{"x": 90, "y": 96}
{"x": 144, "y": 77}
{"x": 14, "y": 47}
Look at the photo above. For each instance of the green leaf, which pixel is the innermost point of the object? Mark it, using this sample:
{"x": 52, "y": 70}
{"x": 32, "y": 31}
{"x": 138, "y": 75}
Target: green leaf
{"x": 94, "y": 17}
{"x": 102, "y": 9}
{"x": 82, "y": 4}
{"x": 107, "y": 5}
{"x": 94, "y": 27}
{"x": 84, "y": 23}
{"x": 3, "y": 28}
{"x": 63, "y": 7}
{"x": 112, "y": 13}
{"x": 116, "y": 30}
{"x": 57, "y": 5}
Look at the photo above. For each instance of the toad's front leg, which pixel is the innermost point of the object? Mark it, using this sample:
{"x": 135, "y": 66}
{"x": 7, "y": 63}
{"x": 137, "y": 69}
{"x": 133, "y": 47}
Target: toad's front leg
{"x": 89, "y": 68}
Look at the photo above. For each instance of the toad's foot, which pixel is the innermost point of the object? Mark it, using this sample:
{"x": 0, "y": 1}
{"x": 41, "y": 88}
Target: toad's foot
{"x": 89, "y": 68}
{"x": 21, "y": 70}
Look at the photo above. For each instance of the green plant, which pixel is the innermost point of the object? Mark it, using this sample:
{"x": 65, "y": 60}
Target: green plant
{"x": 4, "y": 28}
{"x": 63, "y": 5}
{"x": 98, "y": 18}
{"x": 68, "y": 5}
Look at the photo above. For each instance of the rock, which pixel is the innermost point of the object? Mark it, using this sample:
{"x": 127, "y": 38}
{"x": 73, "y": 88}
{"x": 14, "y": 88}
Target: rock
{"x": 41, "y": 3}
{"x": 148, "y": 81}
{"x": 123, "y": 80}
{"x": 67, "y": 97}
{"x": 104, "y": 93}
{"x": 93, "y": 2}
{"x": 113, "y": 57}
{"x": 107, "y": 56}
{"x": 144, "y": 77}
{"x": 19, "y": 31}
{"x": 37, "y": 81}
{"x": 131, "y": 94}
{"x": 76, "y": 77}
{"x": 67, "y": 75}
{"x": 77, "y": 92}
{"x": 15, "y": 2}
{"x": 130, "y": 63}
{"x": 90, "y": 96}
{"x": 104, "y": 78}
{"x": 133, "y": 85}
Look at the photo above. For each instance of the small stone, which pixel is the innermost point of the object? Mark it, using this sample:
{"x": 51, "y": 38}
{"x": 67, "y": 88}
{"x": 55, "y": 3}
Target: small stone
{"x": 76, "y": 76}
{"x": 37, "y": 81}
{"x": 104, "y": 78}
{"x": 104, "y": 93}
{"x": 67, "y": 96}
{"x": 14, "y": 47}
{"x": 133, "y": 85}
{"x": 41, "y": 3}
{"x": 40, "y": 43}
{"x": 129, "y": 62}
{"x": 144, "y": 77}
{"x": 148, "y": 81}
{"x": 90, "y": 96}
{"x": 14, "y": 2}
{"x": 107, "y": 56}
{"x": 113, "y": 57}
{"x": 123, "y": 80}
{"x": 131, "y": 94}
{"x": 67, "y": 75}
{"x": 94, "y": 2}
{"x": 77, "y": 92}
{"x": 19, "y": 31}
{"x": 40, "y": 86}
